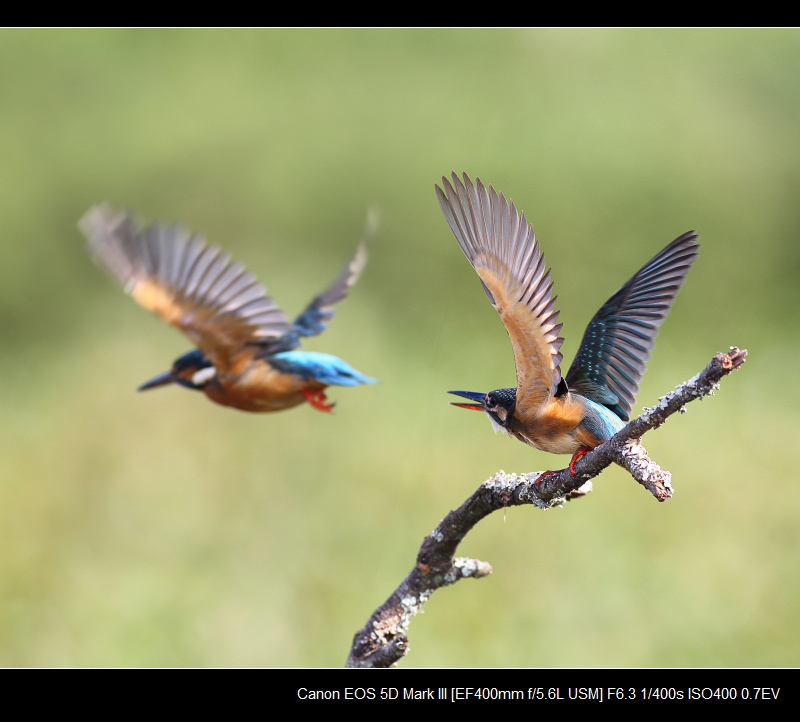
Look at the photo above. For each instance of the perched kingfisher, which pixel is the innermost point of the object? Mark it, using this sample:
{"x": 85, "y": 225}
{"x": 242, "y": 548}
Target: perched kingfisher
{"x": 245, "y": 354}
{"x": 575, "y": 414}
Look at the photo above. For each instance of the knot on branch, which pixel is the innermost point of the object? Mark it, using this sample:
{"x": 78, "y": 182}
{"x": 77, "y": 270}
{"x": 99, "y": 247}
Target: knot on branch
{"x": 465, "y": 567}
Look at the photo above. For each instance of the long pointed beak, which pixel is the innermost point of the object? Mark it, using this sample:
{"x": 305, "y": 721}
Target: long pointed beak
{"x": 472, "y": 396}
{"x": 160, "y": 380}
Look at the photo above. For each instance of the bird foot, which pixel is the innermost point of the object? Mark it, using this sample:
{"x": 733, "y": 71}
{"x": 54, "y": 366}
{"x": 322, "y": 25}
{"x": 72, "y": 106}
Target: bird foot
{"x": 317, "y": 400}
{"x": 577, "y": 455}
{"x": 541, "y": 476}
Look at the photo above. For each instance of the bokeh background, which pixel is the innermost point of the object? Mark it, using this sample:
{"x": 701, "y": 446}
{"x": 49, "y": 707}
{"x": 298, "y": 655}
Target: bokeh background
{"x": 160, "y": 529}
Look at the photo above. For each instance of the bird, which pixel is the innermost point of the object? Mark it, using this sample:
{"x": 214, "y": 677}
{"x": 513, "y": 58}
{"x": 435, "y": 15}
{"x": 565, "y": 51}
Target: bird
{"x": 553, "y": 413}
{"x": 245, "y": 355}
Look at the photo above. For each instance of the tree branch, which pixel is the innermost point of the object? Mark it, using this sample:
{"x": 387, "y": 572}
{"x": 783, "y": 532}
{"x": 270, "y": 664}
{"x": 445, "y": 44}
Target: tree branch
{"x": 382, "y": 641}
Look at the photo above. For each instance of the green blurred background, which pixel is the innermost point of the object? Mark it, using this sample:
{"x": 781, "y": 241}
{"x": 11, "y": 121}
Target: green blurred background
{"x": 161, "y": 529}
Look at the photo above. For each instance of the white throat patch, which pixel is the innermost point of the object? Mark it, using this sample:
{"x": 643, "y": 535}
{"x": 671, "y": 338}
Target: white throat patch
{"x": 204, "y": 376}
{"x": 495, "y": 425}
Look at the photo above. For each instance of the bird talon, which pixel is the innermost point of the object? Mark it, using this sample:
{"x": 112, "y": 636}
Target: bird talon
{"x": 580, "y": 453}
{"x": 317, "y": 400}
{"x": 541, "y": 476}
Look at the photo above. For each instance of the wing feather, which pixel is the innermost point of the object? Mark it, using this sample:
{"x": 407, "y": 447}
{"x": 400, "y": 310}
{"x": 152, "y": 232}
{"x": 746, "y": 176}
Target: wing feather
{"x": 611, "y": 359}
{"x": 502, "y": 248}
{"x": 315, "y": 317}
{"x": 219, "y": 305}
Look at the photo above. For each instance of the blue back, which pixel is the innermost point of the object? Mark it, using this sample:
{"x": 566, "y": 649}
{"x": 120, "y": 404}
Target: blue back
{"x": 601, "y": 421}
{"x": 321, "y": 367}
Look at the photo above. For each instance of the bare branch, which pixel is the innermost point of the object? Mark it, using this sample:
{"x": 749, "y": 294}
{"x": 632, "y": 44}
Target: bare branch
{"x": 382, "y": 641}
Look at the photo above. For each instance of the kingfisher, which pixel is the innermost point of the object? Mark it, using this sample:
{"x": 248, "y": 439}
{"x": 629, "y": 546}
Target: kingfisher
{"x": 576, "y": 413}
{"x": 246, "y": 353}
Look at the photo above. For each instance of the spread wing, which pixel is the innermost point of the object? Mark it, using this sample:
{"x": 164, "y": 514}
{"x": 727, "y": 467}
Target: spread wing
{"x": 616, "y": 345}
{"x": 314, "y": 319}
{"x": 219, "y": 305}
{"x": 502, "y": 248}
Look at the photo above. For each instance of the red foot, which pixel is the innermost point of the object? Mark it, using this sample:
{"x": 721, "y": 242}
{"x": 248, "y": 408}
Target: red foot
{"x": 577, "y": 455}
{"x": 318, "y": 400}
{"x": 541, "y": 476}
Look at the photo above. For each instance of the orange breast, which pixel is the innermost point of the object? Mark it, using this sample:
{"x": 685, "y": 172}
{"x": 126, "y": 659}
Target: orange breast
{"x": 557, "y": 428}
{"x": 260, "y": 388}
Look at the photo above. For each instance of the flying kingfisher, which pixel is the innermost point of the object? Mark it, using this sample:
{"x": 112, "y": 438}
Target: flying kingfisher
{"x": 245, "y": 355}
{"x": 575, "y": 414}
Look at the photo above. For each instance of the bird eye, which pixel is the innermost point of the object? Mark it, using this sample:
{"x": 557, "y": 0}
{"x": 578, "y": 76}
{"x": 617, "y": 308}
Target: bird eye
{"x": 491, "y": 399}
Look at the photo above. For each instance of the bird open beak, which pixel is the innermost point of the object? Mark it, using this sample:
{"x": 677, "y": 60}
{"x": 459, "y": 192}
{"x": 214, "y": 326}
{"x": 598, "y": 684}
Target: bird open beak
{"x": 472, "y": 396}
{"x": 160, "y": 380}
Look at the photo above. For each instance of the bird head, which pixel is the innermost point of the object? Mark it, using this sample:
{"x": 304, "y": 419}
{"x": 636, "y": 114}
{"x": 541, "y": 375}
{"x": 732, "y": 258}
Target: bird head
{"x": 192, "y": 370}
{"x": 498, "y": 404}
